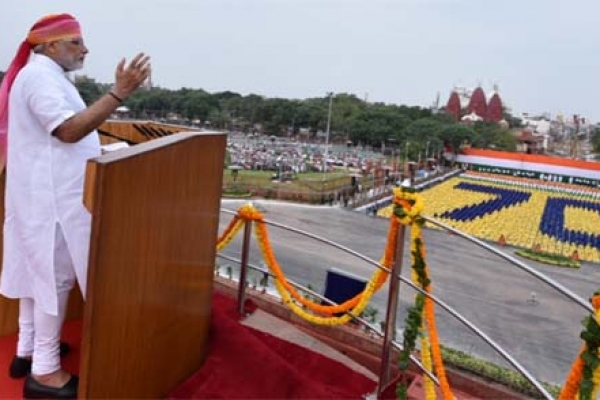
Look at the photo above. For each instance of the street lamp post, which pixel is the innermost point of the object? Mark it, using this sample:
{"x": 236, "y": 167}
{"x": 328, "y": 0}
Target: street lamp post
{"x": 327, "y": 135}
{"x": 406, "y": 165}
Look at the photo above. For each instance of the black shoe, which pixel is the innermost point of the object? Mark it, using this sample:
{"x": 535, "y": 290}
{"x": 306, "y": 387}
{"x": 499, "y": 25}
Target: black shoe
{"x": 35, "y": 390}
{"x": 21, "y": 367}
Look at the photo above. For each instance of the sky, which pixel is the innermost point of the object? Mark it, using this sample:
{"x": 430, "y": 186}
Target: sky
{"x": 542, "y": 54}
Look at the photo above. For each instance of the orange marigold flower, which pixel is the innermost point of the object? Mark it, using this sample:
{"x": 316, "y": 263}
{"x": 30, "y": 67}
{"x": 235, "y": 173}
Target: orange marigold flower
{"x": 403, "y": 203}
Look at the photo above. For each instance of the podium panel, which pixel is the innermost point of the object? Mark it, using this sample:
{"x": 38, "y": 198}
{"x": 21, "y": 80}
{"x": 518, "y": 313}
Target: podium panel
{"x": 155, "y": 212}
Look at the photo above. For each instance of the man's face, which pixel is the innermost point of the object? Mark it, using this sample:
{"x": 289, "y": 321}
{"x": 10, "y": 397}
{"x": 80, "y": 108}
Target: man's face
{"x": 70, "y": 53}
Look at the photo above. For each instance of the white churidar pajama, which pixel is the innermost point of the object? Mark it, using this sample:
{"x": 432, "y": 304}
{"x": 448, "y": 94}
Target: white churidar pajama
{"x": 46, "y": 341}
{"x": 46, "y": 226}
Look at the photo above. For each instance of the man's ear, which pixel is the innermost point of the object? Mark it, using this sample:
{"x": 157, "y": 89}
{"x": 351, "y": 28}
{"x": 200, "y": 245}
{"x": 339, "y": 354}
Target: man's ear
{"x": 50, "y": 48}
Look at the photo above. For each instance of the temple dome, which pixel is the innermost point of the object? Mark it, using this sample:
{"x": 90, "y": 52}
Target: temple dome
{"x": 494, "y": 112}
{"x": 477, "y": 104}
{"x": 453, "y": 107}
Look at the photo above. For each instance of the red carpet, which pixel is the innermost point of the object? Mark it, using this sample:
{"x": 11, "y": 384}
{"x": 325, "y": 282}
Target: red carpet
{"x": 242, "y": 363}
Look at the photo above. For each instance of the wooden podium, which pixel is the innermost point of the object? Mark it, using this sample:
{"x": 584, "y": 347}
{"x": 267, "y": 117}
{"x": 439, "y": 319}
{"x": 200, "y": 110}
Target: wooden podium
{"x": 155, "y": 213}
{"x": 155, "y": 209}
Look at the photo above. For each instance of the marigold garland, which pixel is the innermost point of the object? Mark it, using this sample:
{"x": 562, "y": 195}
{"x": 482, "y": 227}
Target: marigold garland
{"x": 583, "y": 381}
{"x": 596, "y": 380}
{"x": 426, "y": 361}
{"x": 377, "y": 279}
{"x": 329, "y": 321}
{"x": 436, "y": 353}
{"x": 408, "y": 207}
{"x": 571, "y": 386}
{"x": 229, "y": 233}
{"x": 250, "y": 213}
{"x": 354, "y": 306}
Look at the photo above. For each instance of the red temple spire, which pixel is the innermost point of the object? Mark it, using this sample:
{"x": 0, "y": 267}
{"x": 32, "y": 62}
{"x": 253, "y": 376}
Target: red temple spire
{"x": 477, "y": 104}
{"x": 494, "y": 109}
{"x": 453, "y": 107}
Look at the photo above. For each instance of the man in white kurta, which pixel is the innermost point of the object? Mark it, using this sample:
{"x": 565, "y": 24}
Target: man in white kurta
{"x": 51, "y": 135}
{"x": 44, "y": 187}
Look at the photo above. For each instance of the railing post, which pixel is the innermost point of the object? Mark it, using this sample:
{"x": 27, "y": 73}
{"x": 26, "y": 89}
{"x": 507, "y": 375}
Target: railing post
{"x": 244, "y": 266}
{"x": 391, "y": 311}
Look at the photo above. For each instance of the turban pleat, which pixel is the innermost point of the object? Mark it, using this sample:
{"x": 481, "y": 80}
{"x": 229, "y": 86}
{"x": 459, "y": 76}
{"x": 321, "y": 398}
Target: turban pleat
{"x": 52, "y": 28}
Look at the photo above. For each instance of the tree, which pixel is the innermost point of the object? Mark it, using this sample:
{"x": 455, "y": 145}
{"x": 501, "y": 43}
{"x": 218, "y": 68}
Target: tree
{"x": 444, "y": 118}
{"x": 492, "y": 135}
{"x": 88, "y": 88}
{"x": 197, "y": 105}
{"x": 345, "y": 107}
{"x": 505, "y": 140}
{"x": 485, "y": 132}
{"x": 422, "y": 130}
{"x": 156, "y": 102}
{"x": 277, "y": 115}
{"x": 412, "y": 112}
{"x": 455, "y": 135}
{"x": 312, "y": 114}
{"x": 378, "y": 123}
{"x": 367, "y": 123}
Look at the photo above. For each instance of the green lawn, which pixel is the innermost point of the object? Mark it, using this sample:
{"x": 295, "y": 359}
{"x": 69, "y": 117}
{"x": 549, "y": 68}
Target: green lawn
{"x": 310, "y": 181}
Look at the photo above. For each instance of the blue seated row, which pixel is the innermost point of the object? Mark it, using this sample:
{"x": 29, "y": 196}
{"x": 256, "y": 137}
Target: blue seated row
{"x": 553, "y": 221}
{"x": 506, "y": 198}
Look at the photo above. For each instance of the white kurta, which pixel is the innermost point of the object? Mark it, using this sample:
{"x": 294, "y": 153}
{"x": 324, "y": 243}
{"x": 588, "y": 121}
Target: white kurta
{"x": 44, "y": 184}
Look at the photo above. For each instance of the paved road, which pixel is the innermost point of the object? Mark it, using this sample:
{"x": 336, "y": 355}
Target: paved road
{"x": 496, "y": 296}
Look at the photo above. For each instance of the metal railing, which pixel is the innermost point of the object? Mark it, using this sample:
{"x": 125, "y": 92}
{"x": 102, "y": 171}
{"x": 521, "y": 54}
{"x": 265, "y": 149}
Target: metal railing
{"x": 393, "y": 295}
{"x": 311, "y": 292}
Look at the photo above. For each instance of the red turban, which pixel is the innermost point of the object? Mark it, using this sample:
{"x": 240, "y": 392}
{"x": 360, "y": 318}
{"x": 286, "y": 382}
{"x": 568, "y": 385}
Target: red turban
{"x": 48, "y": 29}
